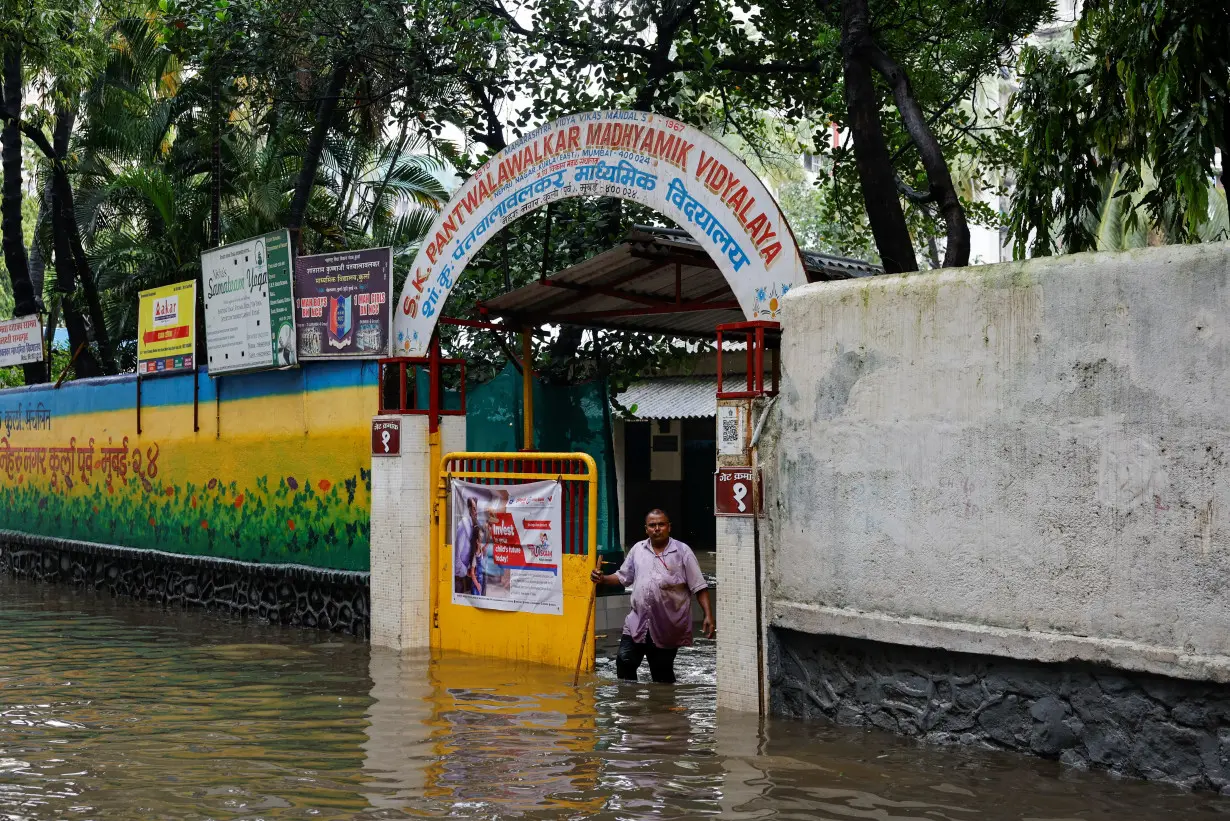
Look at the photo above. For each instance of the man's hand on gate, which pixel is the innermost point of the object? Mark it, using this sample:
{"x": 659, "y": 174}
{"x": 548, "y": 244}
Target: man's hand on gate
{"x": 596, "y": 576}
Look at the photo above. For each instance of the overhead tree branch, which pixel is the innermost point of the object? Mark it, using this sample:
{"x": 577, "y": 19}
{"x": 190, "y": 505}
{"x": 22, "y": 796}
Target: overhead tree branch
{"x": 944, "y": 193}
{"x": 875, "y": 171}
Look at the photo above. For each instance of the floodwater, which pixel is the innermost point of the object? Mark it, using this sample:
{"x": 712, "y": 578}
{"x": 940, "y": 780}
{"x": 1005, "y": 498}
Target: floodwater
{"x": 114, "y": 710}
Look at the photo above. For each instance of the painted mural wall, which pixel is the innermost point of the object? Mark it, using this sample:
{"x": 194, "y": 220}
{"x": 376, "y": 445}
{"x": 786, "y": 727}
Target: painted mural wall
{"x": 279, "y": 472}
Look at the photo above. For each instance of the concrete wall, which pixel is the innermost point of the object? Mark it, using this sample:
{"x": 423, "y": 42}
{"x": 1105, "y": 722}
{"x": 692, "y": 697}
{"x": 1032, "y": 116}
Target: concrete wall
{"x": 278, "y": 472}
{"x": 1024, "y": 460}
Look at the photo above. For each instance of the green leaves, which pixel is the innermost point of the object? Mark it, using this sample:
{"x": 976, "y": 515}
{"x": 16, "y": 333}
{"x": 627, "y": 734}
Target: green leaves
{"x": 1138, "y": 107}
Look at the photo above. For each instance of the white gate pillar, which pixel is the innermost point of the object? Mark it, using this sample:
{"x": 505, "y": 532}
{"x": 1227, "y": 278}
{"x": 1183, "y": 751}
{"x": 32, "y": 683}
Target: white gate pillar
{"x": 401, "y": 552}
{"x": 402, "y": 495}
{"x": 739, "y": 631}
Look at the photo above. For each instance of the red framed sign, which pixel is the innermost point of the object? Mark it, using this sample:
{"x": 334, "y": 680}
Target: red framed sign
{"x": 732, "y": 491}
{"x": 386, "y": 437}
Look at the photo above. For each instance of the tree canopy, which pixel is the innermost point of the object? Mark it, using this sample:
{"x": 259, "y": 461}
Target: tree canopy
{"x": 155, "y": 129}
{"x": 1119, "y": 133}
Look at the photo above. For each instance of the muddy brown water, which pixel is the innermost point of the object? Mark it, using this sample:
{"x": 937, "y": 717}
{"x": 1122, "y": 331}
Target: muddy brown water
{"x": 113, "y": 710}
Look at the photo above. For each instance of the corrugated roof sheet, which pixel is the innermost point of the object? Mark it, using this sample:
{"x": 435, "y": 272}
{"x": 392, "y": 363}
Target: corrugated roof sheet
{"x": 672, "y": 397}
{"x": 641, "y": 284}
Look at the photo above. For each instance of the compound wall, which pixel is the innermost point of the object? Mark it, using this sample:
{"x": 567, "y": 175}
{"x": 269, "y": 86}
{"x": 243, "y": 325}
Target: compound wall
{"x": 1022, "y": 461}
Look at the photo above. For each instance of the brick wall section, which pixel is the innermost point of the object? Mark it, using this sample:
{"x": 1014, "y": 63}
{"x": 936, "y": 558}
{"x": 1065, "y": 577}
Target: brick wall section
{"x": 1085, "y": 715}
{"x": 292, "y": 595}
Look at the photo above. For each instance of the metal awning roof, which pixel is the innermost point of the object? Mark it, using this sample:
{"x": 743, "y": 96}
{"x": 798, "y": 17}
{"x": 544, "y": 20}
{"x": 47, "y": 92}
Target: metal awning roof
{"x": 672, "y": 397}
{"x": 658, "y": 280}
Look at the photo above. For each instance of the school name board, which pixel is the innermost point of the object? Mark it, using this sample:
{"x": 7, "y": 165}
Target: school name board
{"x": 166, "y": 329}
{"x": 342, "y": 304}
{"x": 661, "y": 163}
{"x": 21, "y": 341}
{"x": 249, "y": 307}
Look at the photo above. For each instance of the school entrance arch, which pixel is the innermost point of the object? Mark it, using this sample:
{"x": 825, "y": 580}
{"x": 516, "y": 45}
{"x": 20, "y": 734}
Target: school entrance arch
{"x": 669, "y": 166}
{"x": 681, "y": 173}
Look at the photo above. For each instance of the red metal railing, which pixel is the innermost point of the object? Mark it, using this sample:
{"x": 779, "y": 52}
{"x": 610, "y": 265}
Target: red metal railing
{"x": 755, "y": 333}
{"x": 507, "y": 469}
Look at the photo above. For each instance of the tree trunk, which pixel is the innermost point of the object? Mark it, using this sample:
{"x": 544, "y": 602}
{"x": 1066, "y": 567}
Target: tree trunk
{"x": 38, "y": 262}
{"x": 65, "y": 120}
{"x": 49, "y": 333}
{"x": 25, "y": 299}
{"x": 215, "y": 170}
{"x": 875, "y": 169}
{"x": 311, "y": 158}
{"x": 943, "y": 193}
{"x": 66, "y": 271}
{"x": 1225, "y": 140}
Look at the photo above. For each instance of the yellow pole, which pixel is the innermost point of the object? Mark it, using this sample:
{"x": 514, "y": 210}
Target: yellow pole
{"x": 592, "y": 544}
{"x": 527, "y": 389}
{"x": 435, "y": 531}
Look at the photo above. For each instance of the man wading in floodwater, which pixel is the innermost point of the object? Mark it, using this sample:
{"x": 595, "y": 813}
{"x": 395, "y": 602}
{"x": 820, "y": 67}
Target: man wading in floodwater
{"x": 663, "y": 574}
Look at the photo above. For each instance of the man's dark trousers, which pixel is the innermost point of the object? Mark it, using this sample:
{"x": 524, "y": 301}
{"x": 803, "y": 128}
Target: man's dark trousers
{"x": 631, "y": 653}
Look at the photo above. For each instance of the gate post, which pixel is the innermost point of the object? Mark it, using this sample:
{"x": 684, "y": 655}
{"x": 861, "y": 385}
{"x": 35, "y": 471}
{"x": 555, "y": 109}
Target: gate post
{"x": 401, "y": 548}
{"x": 740, "y": 542}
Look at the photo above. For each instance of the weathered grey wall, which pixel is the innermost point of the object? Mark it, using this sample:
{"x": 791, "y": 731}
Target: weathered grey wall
{"x": 1025, "y": 460}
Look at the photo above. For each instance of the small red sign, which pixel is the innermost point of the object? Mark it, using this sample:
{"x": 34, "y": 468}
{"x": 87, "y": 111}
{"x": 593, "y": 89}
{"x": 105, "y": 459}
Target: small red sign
{"x": 732, "y": 492}
{"x": 386, "y": 437}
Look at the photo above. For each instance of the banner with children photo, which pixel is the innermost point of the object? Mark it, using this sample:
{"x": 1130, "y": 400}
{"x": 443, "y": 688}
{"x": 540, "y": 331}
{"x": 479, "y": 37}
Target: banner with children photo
{"x": 507, "y": 546}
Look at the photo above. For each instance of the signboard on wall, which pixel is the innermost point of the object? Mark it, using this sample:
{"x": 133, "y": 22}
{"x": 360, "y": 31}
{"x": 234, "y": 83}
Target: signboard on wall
{"x": 664, "y": 164}
{"x": 343, "y": 304}
{"x": 386, "y": 437}
{"x": 249, "y": 310}
{"x": 21, "y": 340}
{"x": 732, "y": 491}
{"x": 166, "y": 329}
{"x": 507, "y": 546}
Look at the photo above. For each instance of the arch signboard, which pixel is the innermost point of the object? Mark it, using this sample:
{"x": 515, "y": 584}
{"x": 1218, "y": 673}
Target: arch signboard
{"x": 661, "y": 163}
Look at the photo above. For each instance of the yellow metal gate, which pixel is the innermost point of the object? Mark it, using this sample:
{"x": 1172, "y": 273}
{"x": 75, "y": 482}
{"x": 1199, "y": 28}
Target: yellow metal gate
{"x": 564, "y": 641}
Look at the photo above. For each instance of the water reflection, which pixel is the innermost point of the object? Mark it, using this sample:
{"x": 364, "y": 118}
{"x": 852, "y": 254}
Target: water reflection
{"x": 109, "y": 710}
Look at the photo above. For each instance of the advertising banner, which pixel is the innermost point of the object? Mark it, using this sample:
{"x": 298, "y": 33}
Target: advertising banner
{"x": 249, "y": 309}
{"x": 166, "y": 329}
{"x": 507, "y": 546}
{"x": 343, "y": 303}
{"x": 21, "y": 340}
{"x": 669, "y": 166}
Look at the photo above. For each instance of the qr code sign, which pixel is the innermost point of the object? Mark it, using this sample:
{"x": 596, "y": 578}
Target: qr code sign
{"x": 730, "y": 431}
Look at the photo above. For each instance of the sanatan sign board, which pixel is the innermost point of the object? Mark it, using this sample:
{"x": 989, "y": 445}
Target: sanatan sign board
{"x": 249, "y": 310}
{"x": 662, "y": 163}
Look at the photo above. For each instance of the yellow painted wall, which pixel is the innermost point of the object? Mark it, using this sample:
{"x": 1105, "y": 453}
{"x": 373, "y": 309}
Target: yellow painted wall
{"x": 279, "y": 471}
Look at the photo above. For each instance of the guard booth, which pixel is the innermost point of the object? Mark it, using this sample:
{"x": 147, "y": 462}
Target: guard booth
{"x": 720, "y": 276}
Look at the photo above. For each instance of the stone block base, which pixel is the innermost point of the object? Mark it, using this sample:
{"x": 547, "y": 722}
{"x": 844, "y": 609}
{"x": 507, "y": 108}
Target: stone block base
{"x": 1132, "y": 724}
{"x": 292, "y": 595}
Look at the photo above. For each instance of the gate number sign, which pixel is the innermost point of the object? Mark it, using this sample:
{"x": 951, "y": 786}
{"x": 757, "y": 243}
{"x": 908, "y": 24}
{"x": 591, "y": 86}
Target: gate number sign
{"x": 386, "y": 437}
{"x": 732, "y": 491}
